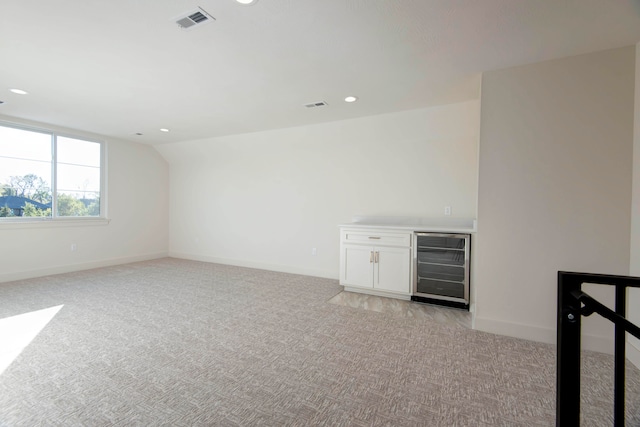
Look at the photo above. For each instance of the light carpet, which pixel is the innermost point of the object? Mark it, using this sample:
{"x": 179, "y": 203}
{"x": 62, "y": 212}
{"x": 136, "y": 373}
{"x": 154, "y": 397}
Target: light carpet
{"x": 184, "y": 343}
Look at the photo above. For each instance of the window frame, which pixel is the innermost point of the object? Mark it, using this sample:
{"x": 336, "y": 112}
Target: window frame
{"x": 54, "y": 220}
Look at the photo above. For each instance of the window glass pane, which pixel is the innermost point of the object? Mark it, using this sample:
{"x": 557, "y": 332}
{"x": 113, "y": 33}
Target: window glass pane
{"x": 25, "y": 173}
{"x": 78, "y": 182}
{"x": 71, "y": 204}
{"x": 25, "y": 144}
{"x": 78, "y": 152}
{"x": 78, "y": 179}
{"x": 12, "y": 169}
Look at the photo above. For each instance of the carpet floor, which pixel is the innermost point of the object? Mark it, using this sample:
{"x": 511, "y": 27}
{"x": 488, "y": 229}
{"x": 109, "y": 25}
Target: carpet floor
{"x": 184, "y": 343}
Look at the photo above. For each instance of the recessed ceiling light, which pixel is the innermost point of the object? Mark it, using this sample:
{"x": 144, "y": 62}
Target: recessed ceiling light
{"x": 164, "y": 130}
{"x": 19, "y": 91}
{"x": 247, "y": 2}
{"x": 351, "y": 99}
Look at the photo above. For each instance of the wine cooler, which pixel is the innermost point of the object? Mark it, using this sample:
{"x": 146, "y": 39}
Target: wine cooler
{"x": 441, "y": 269}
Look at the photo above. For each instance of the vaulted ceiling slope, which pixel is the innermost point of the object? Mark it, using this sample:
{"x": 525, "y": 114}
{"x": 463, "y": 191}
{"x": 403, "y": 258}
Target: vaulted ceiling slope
{"x": 122, "y": 67}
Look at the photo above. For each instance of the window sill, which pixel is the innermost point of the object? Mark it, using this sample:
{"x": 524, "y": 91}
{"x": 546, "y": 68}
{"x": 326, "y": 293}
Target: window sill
{"x": 53, "y": 223}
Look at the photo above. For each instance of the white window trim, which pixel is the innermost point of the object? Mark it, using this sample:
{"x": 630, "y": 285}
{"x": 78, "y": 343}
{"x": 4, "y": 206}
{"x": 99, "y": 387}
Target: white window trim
{"x": 12, "y": 223}
{"x": 53, "y": 221}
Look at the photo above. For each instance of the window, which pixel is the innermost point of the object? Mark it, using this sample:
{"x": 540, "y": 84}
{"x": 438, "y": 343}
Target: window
{"x": 44, "y": 175}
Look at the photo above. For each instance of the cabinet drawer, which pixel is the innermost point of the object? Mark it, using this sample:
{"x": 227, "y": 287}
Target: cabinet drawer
{"x": 376, "y": 238}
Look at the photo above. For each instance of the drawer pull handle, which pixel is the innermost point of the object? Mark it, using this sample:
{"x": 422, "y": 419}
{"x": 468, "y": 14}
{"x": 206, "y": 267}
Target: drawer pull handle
{"x": 376, "y": 238}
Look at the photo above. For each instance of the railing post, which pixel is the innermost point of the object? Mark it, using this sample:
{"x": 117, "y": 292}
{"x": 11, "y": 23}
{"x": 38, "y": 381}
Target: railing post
{"x": 568, "y": 347}
{"x": 572, "y": 305}
{"x": 619, "y": 359}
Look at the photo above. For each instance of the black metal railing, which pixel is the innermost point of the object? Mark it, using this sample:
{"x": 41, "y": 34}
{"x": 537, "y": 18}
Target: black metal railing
{"x": 572, "y": 305}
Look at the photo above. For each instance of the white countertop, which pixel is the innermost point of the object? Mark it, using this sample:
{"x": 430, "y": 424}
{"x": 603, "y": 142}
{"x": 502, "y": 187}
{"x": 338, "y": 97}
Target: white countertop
{"x": 442, "y": 225}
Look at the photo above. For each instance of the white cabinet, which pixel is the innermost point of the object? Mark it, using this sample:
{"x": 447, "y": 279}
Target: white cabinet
{"x": 391, "y": 272}
{"x": 376, "y": 261}
{"x": 357, "y": 266}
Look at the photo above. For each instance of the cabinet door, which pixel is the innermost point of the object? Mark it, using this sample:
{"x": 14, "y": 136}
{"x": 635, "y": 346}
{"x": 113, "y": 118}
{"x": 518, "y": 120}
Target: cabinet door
{"x": 393, "y": 270}
{"x": 357, "y": 266}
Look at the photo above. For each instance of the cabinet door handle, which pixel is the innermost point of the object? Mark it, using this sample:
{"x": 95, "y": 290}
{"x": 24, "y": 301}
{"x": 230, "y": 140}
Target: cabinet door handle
{"x": 374, "y": 238}
{"x": 377, "y": 257}
{"x": 371, "y": 256}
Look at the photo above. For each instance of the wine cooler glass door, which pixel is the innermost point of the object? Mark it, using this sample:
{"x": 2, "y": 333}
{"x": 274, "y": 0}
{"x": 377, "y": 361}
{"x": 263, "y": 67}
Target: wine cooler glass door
{"x": 442, "y": 266}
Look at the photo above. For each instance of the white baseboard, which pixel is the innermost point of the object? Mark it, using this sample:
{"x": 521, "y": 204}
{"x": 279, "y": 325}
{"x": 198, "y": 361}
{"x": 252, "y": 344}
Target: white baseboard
{"x": 257, "y": 265}
{"x": 68, "y": 268}
{"x": 516, "y": 330}
{"x": 378, "y": 293}
{"x": 536, "y": 333}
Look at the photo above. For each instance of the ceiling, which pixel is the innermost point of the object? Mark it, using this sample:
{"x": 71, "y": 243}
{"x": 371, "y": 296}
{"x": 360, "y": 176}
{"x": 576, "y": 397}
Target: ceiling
{"x": 122, "y": 67}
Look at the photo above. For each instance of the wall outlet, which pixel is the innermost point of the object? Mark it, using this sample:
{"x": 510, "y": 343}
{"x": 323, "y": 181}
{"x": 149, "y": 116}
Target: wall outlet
{"x": 447, "y": 210}
{"x": 74, "y": 247}
{"x": 314, "y": 251}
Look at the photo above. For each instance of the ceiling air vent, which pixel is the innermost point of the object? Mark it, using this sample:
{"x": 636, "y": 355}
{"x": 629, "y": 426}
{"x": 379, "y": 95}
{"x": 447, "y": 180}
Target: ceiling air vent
{"x": 189, "y": 20}
{"x": 316, "y": 104}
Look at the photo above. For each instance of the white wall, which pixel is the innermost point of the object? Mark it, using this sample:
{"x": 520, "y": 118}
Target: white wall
{"x": 634, "y": 268}
{"x": 265, "y": 199}
{"x": 137, "y": 202}
{"x": 554, "y": 188}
